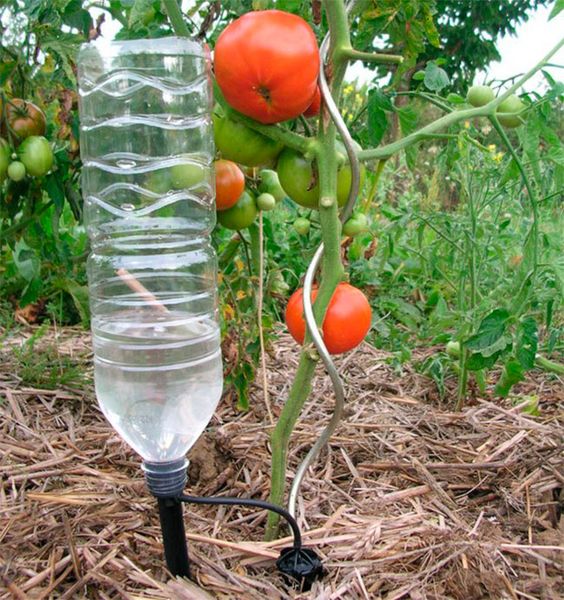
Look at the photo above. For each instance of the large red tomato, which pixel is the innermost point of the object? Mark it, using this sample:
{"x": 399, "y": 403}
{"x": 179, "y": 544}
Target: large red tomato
{"x": 266, "y": 64}
{"x": 24, "y": 118}
{"x": 313, "y": 109}
{"x": 346, "y": 323}
{"x": 229, "y": 184}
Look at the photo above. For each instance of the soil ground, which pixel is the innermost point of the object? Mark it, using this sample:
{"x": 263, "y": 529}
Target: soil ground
{"x": 410, "y": 500}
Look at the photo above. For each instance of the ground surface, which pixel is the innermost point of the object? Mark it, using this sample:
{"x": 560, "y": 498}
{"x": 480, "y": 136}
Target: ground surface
{"x": 410, "y": 501}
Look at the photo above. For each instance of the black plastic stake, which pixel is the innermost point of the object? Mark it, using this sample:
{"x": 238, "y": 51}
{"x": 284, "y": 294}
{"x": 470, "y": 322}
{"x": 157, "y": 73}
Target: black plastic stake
{"x": 174, "y": 537}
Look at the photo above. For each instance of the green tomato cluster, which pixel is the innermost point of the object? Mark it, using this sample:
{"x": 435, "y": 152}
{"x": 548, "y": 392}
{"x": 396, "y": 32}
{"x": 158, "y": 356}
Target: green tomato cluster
{"x": 508, "y": 112}
{"x": 33, "y": 157}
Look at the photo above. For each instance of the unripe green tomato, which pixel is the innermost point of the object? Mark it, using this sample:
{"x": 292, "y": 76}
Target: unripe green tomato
{"x": 240, "y": 215}
{"x": 158, "y": 182}
{"x": 479, "y": 95}
{"x": 356, "y": 224}
{"x": 36, "y": 155}
{"x": 297, "y": 177}
{"x": 302, "y": 225}
{"x": 187, "y": 175}
{"x": 266, "y": 201}
{"x": 453, "y": 349}
{"x": 16, "y": 171}
{"x": 271, "y": 184}
{"x": 4, "y": 158}
{"x": 149, "y": 16}
{"x": 512, "y": 104}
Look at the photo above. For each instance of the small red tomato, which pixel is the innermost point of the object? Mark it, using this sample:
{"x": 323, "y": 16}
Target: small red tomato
{"x": 266, "y": 64}
{"x": 346, "y": 323}
{"x": 313, "y": 108}
{"x": 229, "y": 184}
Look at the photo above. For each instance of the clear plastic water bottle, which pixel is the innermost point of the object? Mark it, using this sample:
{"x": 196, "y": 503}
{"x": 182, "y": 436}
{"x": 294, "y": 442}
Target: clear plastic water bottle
{"x": 147, "y": 147}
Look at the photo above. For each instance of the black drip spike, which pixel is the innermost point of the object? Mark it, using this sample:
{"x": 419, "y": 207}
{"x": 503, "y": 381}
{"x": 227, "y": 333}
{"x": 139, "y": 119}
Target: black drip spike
{"x": 302, "y": 565}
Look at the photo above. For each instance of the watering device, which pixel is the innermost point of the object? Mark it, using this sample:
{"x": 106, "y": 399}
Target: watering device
{"x": 146, "y": 140}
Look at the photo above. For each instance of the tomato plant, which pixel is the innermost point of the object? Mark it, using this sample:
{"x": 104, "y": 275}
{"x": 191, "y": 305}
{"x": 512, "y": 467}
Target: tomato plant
{"x": 266, "y": 201}
{"x": 511, "y": 107}
{"x": 4, "y": 158}
{"x": 24, "y": 119}
{"x": 313, "y": 109}
{"x": 229, "y": 184}
{"x": 346, "y": 322}
{"x": 479, "y": 95}
{"x": 299, "y": 179}
{"x": 357, "y": 223}
{"x": 302, "y": 226}
{"x": 16, "y": 171}
{"x": 266, "y": 64}
{"x": 239, "y": 143}
{"x": 241, "y": 215}
{"x": 36, "y": 154}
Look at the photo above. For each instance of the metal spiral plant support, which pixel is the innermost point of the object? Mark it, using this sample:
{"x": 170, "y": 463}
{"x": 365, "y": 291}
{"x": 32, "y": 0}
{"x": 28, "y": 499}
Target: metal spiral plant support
{"x": 308, "y": 283}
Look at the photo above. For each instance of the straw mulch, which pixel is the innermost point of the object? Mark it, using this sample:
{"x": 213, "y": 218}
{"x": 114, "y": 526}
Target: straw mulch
{"x": 409, "y": 501}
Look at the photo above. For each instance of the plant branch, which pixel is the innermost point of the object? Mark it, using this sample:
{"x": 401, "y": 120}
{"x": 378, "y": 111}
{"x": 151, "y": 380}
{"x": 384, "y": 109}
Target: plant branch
{"x": 488, "y": 110}
{"x": 176, "y": 18}
{"x": 373, "y": 57}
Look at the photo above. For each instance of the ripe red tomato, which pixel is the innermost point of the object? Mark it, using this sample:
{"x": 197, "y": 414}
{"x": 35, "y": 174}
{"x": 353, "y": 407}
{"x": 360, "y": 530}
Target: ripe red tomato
{"x": 229, "y": 184}
{"x": 346, "y": 323}
{"x": 24, "y": 118}
{"x": 266, "y": 64}
{"x": 313, "y": 108}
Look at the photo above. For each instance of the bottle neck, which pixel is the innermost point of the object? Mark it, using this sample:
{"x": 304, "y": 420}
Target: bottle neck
{"x": 166, "y": 480}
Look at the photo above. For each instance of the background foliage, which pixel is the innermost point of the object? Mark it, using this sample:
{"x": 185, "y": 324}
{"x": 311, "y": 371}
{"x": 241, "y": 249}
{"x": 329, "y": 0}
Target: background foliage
{"x": 450, "y": 251}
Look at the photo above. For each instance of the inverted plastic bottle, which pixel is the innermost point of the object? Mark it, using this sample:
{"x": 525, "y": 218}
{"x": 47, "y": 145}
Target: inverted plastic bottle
{"x": 147, "y": 147}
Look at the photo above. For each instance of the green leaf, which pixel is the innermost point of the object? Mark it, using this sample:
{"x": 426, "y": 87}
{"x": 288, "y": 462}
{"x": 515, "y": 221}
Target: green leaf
{"x": 512, "y": 373}
{"x": 80, "y": 297}
{"x": 139, "y": 11}
{"x": 31, "y": 292}
{"x": 527, "y": 343}
{"x": 378, "y": 103}
{"x": 529, "y": 404}
{"x": 477, "y": 362}
{"x": 26, "y": 260}
{"x": 435, "y": 78}
{"x": 556, "y": 9}
{"x": 419, "y": 76}
{"x": 455, "y": 99}
{"x": 54, "y": 188}
{"x": 491, "y": 329}
{"x": 408, "y": 122}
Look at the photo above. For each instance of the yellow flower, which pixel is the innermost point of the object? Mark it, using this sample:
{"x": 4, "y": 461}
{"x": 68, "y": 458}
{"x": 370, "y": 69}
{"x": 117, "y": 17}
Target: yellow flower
{"x": 466, "y": 124}
{"x": 349, "y": 89}
{"x": 228, "y": 312}
{"x": 239, "y": 264}
{"x": 492, "y": 147}
{"x": 240, "y": 295}
{"x": 498, "y": 157}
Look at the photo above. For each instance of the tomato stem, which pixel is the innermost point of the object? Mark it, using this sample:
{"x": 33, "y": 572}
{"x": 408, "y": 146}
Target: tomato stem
{"x": 373, "y": 57}
{"x": 332, "y": 271}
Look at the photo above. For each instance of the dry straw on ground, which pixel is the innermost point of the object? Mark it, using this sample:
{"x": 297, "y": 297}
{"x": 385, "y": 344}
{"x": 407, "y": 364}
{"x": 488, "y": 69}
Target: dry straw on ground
{"x": 410, "y": 501}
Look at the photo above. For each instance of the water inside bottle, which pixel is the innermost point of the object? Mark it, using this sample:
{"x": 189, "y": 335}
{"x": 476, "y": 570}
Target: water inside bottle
{"x": 158, "y": 378}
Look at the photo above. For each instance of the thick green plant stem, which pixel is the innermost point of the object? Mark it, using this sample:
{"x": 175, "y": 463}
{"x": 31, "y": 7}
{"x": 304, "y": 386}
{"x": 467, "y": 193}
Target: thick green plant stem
{"x": 176, "y": 19}
{"x": 548, "y": 365}
{"x": 332, "y": 270}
